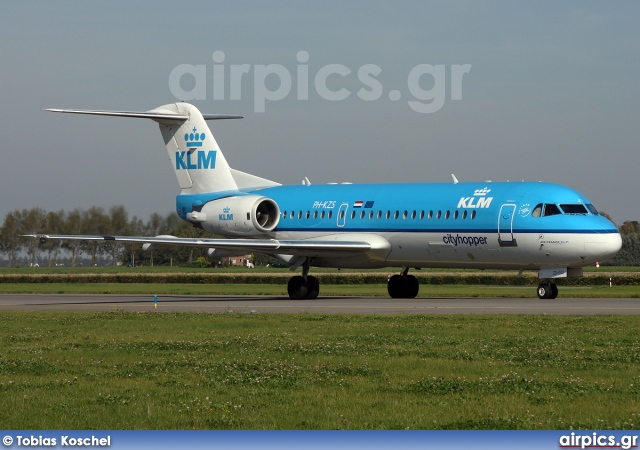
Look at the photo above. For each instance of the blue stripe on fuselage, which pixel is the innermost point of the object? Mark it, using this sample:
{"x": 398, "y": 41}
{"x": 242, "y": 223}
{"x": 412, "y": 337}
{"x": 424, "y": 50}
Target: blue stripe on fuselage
{"x": 482, "y": 199}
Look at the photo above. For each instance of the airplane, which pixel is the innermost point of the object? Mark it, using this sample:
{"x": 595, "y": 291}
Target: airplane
{"x": 473, "y": 225}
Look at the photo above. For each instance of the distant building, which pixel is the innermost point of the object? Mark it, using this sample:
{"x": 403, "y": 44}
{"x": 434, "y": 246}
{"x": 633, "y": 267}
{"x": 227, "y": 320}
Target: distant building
{"x": 238, "y": 261}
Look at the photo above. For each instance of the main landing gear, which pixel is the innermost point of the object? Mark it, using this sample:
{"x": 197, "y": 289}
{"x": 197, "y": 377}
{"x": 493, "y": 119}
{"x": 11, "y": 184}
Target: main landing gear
{"x": 305, "y": 286}
{"x": 403, "y": 286}
{"x": 547, "y": 291}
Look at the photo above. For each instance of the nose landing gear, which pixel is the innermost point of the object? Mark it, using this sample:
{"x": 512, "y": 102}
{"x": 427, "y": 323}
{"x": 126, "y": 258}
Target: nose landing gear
{"x": 547, "y": 291}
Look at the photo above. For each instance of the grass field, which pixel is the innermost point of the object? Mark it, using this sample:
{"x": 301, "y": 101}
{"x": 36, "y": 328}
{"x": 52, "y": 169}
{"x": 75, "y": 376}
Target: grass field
{"x": 120, "y": 370}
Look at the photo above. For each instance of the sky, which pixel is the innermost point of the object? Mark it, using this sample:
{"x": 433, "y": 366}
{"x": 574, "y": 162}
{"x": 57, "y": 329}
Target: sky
{"x": 379, "y": 91}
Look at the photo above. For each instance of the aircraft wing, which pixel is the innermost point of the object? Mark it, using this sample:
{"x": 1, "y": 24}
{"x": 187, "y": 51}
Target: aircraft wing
{"x": 330, "y": 247}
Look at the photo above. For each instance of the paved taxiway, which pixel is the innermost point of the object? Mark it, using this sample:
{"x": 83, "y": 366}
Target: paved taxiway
{"x": 324, "y": 305}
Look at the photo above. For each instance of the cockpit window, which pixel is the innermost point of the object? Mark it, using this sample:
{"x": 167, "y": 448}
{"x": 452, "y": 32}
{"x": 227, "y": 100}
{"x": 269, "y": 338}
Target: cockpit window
{"x": 551, "y": 210}
{"x": 537, "y": 211}
{"x": 577, "y": 208}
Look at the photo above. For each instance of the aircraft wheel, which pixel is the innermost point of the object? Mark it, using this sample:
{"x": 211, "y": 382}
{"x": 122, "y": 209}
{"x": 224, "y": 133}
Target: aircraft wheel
{"x": 297, "y": 288}
{"x": 412, "y": 288}
{"x": 545, "y": 291}
{"x": 554, "y": 290}
{"x": 313, "y": 288}
{"x": 396, "y": 286}
{"x": 401, "y": 287}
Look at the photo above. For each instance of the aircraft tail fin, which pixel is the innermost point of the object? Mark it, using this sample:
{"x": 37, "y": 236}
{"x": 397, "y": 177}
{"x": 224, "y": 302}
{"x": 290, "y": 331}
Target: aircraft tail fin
{"x": 195, "y": 155}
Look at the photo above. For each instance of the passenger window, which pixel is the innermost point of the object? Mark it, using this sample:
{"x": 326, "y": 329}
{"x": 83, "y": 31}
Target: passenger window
{"x": 473, "y": 214}
{"x": 353, "y": 214}
{"x": 330, "y": 214}
{"x": 379, "y": 214}
{"x": 371, "y": 214}
{"x": 421, "y": 214}
{"x": 430, "y": 215}
{"x": 388, "y": 214}
{"x": 464, "y": 214}
{"x": 438, "y": 214}
{"x": 397, "y": 213}
{"x": 315, "y": 214}
{"x": 455, "y": 214}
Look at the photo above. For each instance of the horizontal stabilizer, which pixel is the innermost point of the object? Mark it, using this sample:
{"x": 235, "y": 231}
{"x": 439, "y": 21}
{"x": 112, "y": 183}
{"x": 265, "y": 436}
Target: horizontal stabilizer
{"x": 143, "y": 115}
{"x": 153, "y": 114}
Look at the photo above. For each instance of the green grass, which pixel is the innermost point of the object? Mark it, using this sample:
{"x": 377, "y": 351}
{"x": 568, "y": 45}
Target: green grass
{"x": 117, "y": 370}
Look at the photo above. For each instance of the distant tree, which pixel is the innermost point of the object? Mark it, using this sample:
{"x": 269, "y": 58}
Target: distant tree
{"x": 53, "y": 224}
{"x": 10, "y": 241}
{"x": 629, "y": 254}
{"x": 118, "y": 226}
{"x": 94, "y": 222}
{"x": 630, "y": 227}
{"x": 33, "y": 222}
{"x": 73, "y": 225}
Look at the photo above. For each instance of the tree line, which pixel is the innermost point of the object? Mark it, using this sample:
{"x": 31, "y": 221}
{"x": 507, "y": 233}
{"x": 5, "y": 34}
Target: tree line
{"x": 116, "y": 221}
{"x": 94, "y": 221}
{"x": 629, "y": 254}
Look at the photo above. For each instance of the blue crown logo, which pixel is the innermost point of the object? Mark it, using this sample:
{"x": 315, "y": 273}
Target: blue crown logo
{"x": 194, "y": 139}
{"x": 226, "y": 210}
{"x": 481, "y": 192}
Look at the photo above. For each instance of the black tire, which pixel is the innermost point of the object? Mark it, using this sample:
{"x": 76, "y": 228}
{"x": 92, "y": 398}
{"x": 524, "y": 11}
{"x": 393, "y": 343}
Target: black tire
{"x": 554, "y": 290}
{"x": 403, "y": 287}
{"x": 544, "y": 291}
{"x": 297, "y": 288}
{"x": 412, "y": 288}
{"x": 313, "y": 288}
{"x": 396, "y": 286}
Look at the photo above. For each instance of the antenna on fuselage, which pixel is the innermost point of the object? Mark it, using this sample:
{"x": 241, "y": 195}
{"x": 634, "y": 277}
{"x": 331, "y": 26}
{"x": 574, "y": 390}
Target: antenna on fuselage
{"x": 455, "y": 180}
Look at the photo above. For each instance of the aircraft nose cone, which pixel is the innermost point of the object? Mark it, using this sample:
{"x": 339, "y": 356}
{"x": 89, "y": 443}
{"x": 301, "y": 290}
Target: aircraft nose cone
{"x": 603, "y": 246}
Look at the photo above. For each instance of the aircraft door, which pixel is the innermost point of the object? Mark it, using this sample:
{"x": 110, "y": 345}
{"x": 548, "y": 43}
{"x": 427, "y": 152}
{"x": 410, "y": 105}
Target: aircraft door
{"x": 342, "y": 215}
{"x": 505, "y": 225}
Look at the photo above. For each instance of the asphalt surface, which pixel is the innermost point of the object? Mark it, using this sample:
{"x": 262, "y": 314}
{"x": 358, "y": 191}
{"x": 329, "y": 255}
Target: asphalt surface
{"x": 324, "y": 305}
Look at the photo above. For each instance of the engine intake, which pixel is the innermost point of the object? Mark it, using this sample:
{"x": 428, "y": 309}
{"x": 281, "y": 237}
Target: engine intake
{"x": 248, "y": 215}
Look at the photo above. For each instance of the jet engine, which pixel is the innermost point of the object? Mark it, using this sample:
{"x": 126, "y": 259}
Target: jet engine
{"x": 248, "y": 215}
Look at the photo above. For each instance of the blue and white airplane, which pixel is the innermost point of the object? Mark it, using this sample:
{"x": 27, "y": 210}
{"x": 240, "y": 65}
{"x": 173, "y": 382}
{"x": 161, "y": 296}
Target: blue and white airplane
{"x": 481, "y": 225}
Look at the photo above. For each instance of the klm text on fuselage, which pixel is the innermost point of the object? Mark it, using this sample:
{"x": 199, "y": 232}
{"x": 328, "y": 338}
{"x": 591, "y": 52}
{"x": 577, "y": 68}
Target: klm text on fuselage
{"x": 203, "y": 160}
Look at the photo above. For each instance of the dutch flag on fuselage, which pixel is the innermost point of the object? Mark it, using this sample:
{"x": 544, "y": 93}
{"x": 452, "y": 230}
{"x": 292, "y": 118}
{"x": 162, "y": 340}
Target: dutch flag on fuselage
{"x": 361, "y": 203}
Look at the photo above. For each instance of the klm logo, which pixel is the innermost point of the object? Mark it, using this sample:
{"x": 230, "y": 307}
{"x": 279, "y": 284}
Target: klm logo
{"x": 226, "y": 214}
{"x": 194, "y": 139}
{"x": 197, "y": 160}
{"x": 192, "y": 159}
{"x": 479, "y": 200}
